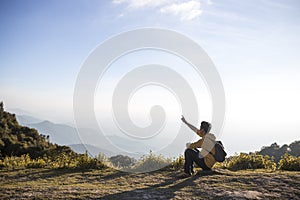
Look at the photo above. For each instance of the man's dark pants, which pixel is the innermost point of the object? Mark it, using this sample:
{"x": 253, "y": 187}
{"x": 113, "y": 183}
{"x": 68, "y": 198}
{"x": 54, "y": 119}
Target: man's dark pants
{"x": 191, "y": 156}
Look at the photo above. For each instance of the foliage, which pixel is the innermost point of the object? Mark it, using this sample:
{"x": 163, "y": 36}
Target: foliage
{"x": 151, "y": 162}
{"x": 294, "y": 148}
{"x": 250, "y": 161}
{"x": 81, "y": 161}
{"x": 102, "y": 158}
{"x": 289, "y": 162}
{"x": 17, "y": 140}
{"x": 178, "y": 163}
{"x": 122, "y": 161}
{"x": 220, "y": 165}
{"x": 277, "y": 152}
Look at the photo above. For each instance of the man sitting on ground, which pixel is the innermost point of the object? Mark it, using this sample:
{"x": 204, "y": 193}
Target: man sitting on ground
{"x": 203, "y": 159}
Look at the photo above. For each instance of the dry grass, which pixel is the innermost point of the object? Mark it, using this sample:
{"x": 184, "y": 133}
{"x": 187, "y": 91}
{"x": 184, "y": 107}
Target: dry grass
{"x": 111, "y": 184}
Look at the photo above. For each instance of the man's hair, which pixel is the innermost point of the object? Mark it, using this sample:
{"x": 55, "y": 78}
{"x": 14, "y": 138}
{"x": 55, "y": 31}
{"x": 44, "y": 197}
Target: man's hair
{"x": 205, "y": 126}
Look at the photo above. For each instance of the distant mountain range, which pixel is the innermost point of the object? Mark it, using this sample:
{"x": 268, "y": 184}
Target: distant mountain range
{"x": 63, "y": 134}
{"x": 26, "y": 119}
{"x": 94, "y": 140}
{"x": 19, "y": 111}
{"x": 59, "y": 133}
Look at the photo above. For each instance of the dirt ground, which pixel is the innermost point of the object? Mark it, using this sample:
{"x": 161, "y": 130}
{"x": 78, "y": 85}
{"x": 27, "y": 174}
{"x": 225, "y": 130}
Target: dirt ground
{"x": 164, "y": 184}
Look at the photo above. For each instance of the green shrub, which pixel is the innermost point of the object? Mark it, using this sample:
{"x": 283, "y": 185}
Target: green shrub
{"x": 15, "y": 162}
{"x": 38, "y": 163}
{"x": 220, "y": 165}
{"x": 178, "y": 163}
{"x": 86, "y": 162}
{"x": 63, "y": 160}
{"x": 250, "y": 161}
{"x": 288, "y": 162}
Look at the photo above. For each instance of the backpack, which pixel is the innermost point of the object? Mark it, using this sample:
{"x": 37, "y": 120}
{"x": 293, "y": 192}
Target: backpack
{"x": 220, "y": 152}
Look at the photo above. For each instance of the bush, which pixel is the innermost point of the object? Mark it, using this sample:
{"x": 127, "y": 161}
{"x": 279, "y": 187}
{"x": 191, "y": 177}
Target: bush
{"x": 151, "y": 162}
{"x": 178, "y": 163}
{"x": 288, "y": 162}
{"x": 38, "y": 163}
{"x": 14, "y": 162}
{"x": 250, "y": 161}
{"x": 81, "y": 161}
{"x": 121, "y": 161}
{"x": 220, "y": 165}
{"x": 86, "y": 162}
{"x": 105, "y": 160}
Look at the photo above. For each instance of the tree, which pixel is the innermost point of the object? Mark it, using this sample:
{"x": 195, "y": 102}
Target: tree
{"x": 122, "y": 161}
{"x": 274, "y": 150}
{"x": 295, "y": 148}
{"x": 16, "y": 140}
{"x": 1, "y": 110}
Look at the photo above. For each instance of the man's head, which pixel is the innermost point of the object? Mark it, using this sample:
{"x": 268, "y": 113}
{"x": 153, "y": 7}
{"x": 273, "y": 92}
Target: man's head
{"x": 205, "y": 127}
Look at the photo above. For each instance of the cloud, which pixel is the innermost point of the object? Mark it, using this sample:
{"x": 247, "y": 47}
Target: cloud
{"x": 140, "y": 4}
{"x": 185, "y": 10}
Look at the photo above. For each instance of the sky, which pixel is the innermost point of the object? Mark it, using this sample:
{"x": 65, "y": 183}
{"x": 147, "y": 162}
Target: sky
{"x": 254, "y": 45}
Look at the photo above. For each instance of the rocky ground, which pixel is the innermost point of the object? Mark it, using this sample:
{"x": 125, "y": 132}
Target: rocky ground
{"x": 111, "y": 184}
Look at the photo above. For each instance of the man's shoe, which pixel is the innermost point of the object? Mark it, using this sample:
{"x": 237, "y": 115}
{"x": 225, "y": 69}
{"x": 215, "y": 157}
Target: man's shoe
{"x": 184, "y": 175}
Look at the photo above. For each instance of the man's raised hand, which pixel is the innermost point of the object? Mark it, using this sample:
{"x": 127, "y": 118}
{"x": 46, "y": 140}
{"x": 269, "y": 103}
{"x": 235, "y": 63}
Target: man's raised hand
{"x": 183, "y": 119}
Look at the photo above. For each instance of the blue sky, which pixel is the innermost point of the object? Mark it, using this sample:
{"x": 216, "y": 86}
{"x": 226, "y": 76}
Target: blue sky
{"x": 254, "y": 44}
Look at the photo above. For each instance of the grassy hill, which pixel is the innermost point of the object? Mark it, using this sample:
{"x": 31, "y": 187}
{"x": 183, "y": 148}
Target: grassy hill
{"x": 163, "y": 184}
{"x": 17, "y": 140}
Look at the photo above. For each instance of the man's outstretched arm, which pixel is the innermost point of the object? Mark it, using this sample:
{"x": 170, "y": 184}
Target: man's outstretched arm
{"x": 189, "y": 125}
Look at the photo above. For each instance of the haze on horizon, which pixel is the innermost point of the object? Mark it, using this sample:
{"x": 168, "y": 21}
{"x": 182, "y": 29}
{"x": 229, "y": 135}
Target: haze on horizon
{"x": 255, "y": 46}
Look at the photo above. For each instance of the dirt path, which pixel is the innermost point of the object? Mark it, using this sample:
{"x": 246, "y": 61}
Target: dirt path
{"x": 110, "y": 184}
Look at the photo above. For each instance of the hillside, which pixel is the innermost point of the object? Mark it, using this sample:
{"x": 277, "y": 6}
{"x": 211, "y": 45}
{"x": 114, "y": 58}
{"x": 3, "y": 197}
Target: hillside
{"x": 111, "y": 184}
{"x": 16, "y": 140}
